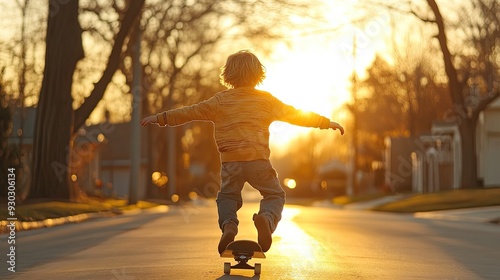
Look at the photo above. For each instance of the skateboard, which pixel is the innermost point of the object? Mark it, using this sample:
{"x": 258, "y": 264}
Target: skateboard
{"x": 242, "y": 251}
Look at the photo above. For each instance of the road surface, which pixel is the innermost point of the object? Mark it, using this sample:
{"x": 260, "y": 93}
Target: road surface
{"x": 310, "y": 243}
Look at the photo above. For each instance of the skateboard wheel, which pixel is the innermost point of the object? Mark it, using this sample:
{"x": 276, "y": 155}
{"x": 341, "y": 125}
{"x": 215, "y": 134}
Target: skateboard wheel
{"x": 258, "y": 268}
{"x": 227, "y": 268}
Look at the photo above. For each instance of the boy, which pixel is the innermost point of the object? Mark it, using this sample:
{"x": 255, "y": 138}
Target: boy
{"x": 242, "y": 115}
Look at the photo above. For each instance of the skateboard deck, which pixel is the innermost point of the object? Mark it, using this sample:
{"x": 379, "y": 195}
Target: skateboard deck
{"x": 242, "y": 251}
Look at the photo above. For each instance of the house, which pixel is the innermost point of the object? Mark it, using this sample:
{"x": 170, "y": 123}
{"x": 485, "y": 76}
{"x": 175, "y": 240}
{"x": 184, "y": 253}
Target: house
{"x": 23, "y": 126}
{"x": 23, "y": 129}
{"x": 101, "y": 156}
{"x": 436, "y": 160}
{"x": 427, "y": 163}
{"x": 106, "y": 170}
{"x": 437, "y": 163}
{"x": 488, "y": 145}
{"x": 398, "y": 163}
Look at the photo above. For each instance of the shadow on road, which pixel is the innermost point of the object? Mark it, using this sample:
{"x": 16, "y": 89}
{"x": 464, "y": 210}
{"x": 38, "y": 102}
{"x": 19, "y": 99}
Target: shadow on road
{"x": 234, "y": 277}
{"x": 46, "y": 245}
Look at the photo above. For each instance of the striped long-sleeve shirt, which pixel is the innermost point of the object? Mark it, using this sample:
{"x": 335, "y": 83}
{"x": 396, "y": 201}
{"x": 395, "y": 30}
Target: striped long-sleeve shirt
{"x": 242, "y": 117}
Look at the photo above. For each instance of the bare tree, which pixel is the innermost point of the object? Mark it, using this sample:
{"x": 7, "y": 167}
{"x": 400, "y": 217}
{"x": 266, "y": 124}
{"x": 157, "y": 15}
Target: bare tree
{"x": 466, "y": 108}
{"x": 473, "y": 61}
{"x": 21, "y": 74}
{"x": 399, "y": 99}
{"x": 56, "y": 121}
{"x": 417, "y": 79}
{"x": 21, "y": 49}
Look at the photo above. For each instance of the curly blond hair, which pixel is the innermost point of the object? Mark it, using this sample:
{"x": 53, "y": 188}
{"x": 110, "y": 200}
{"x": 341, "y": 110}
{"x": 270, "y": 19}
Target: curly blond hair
{"x": 242, "y": 69}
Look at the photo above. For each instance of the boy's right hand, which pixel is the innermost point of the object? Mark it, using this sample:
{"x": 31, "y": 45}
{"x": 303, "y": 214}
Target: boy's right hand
{"x": 335, "y": 126}
{"x": 150, "y": 119}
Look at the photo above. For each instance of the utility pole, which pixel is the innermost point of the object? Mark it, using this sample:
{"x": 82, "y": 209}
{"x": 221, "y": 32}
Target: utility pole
{"x": 171, "y": 151}
{"x": 135, "y": 137}
{"x": 352, "y": 182}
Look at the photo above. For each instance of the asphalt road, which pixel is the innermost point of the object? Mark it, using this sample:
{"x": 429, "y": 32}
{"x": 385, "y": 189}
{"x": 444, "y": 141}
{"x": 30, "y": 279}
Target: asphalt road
{"x": 310, "y": 243}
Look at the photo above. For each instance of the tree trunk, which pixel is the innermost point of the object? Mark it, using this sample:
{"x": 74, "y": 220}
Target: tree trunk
{"x": 56, "y": 122}
{"x": 469, "y": 157}
{"x": 466, "y": 123}
{"x": 54, "y": 119}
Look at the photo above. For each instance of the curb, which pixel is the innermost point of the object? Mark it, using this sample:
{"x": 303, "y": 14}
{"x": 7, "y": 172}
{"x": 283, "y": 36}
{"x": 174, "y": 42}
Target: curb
{"x": 370, "y": 204}
{"x": 5, "y": 226}
{"x": 151, "y": 210}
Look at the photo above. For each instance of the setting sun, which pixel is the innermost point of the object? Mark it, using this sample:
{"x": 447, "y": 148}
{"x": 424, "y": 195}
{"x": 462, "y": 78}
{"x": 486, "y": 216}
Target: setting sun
{"x": 315, "y": 74}
{"x": 306, "y": 80}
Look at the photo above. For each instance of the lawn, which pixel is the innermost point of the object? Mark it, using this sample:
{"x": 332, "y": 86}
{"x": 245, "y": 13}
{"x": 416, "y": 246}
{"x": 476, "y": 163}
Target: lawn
{"x": 445, "y": 200}
{"x": 55, "y": 209}
{"x": 344, "y": 200}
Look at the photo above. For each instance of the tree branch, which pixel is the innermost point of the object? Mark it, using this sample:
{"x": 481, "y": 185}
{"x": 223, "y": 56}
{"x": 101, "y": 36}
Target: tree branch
{"x": 97, "y": 12}
{"x": 451, "y": 71}
{"x": 422, "y": 18}
{"x": 396, "y": 9}
{"x": 84, "y": 111}
{"x": 490, "y": 97}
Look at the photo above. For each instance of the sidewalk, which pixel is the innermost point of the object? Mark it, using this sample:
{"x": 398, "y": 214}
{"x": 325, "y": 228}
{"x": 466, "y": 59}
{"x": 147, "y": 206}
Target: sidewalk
{"x": 489, "y": 214}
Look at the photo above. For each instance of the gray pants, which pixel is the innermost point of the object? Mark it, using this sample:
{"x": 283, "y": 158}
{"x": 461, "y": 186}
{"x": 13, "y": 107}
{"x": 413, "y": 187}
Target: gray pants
{"x": 262, "y": 176}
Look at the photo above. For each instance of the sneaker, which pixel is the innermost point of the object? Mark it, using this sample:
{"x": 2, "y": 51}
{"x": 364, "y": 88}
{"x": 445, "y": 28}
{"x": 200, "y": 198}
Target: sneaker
{"x": 264, "y": 231}
{"x": 228, "y": 233}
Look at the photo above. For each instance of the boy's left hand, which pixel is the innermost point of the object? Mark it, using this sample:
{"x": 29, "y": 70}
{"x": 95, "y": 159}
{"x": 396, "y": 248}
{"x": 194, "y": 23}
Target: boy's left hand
{"x": 150, "y": 119}
{"x": 335, "y": 126}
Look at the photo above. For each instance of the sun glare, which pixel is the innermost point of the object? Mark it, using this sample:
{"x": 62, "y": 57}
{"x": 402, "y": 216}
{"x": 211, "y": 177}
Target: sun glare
{"x": 314, "y": 74}
{"x": 306, "y": 80}
{"x": 295, "y": 242}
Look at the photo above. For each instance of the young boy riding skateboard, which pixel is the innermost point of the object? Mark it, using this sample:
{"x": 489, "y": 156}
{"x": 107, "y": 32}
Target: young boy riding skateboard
{"x": 242, "y": 115}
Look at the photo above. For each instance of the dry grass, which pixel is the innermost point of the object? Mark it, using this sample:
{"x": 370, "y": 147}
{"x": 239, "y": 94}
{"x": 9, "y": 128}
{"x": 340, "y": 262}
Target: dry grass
{"x": 444, "y": 201}
{"x": 55, "y": 209}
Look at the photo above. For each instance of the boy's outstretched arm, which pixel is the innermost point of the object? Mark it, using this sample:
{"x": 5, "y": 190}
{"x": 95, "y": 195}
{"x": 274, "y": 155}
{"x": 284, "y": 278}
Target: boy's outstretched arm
{"x": 292, "y": 115}
{"x": 203, "y": 111}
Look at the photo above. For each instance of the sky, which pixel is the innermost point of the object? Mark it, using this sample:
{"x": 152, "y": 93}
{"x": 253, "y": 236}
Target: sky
{"x": 314, "y": 73}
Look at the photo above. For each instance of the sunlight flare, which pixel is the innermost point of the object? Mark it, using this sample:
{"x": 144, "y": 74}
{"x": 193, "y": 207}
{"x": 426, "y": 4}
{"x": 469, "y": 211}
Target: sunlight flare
{"x": 294, "y": 240}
